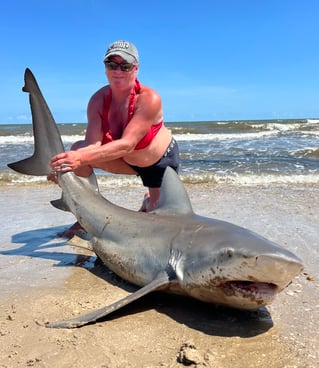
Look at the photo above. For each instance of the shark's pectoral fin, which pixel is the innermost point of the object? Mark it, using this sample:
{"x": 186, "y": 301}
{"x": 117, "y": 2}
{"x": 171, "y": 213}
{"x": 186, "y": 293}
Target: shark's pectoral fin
{"x": 162, "y": 280}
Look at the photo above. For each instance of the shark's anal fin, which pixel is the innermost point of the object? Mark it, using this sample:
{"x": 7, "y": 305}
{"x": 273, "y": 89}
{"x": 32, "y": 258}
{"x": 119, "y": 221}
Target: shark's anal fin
{"x": 162, "y": 280}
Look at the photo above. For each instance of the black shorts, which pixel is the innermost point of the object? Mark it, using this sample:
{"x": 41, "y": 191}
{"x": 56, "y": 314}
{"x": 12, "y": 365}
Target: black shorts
{"x": 152, "y": 176}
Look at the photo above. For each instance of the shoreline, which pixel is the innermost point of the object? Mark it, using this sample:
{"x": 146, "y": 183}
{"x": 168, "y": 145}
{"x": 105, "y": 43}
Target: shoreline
{"x": 10, "y": 178}
{"x": 43, "y": 280}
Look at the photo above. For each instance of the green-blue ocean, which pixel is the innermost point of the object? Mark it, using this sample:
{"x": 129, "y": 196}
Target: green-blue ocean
{"x": 249, "y": 152}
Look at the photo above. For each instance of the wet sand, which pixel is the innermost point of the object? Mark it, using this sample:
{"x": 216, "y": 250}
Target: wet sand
{"x": 43, "y": 278}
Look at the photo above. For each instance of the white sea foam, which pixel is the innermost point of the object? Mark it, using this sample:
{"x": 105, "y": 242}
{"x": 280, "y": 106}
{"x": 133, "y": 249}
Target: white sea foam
{"x": 283, "y": 127}
{"x": 313, "y": 133}
{"x": 69, "y": 139}
{"x": 29, "y": 139}
{"x": 304, "y": 151}
{"x": 271, "y": 179}
{"x": 16, "y": 139}
{"x": 120, "y": 181}
{"x": 224, "y": 136}
{"x": 313, "y": 121}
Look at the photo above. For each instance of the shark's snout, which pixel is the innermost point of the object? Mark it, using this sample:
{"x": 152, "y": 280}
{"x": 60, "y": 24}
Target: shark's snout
{"x": 277, "y": 269}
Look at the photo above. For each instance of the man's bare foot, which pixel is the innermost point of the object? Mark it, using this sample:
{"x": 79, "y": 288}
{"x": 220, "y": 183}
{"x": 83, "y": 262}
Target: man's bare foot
{"x": 75, "y": 229}
{"x": 146, "y": 203}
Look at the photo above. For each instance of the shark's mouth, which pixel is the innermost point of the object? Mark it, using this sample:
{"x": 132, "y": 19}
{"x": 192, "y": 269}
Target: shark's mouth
{"x": 256, "y": 291}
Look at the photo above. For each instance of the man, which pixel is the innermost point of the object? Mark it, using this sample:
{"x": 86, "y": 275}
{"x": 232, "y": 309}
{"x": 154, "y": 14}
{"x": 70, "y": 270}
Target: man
{"x": 125, "y": 132}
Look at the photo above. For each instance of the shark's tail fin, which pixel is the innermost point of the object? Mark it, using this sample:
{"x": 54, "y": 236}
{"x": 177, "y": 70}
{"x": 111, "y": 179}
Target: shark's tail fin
{"x": 47, "y": 138}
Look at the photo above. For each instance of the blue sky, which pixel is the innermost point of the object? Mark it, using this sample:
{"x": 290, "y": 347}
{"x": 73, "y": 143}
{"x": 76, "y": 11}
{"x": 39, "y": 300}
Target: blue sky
{"x": 209, "y": 59}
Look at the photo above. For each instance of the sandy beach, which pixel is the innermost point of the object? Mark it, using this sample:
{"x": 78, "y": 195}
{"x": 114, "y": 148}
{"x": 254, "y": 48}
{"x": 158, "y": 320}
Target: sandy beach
{"x": 44, "y": 278}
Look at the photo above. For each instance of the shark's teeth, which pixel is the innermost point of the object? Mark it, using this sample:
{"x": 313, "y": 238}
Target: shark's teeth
{"x": 248, "y": 289}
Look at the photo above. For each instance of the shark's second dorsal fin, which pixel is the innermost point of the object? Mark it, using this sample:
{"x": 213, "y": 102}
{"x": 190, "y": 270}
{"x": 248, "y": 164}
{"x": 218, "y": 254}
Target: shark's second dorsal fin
{"x": 90, "y": 182}
{"x": 173, "y": 198}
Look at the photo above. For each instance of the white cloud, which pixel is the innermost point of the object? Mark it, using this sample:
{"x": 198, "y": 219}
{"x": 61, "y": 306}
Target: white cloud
{"x": 22, "y": 117}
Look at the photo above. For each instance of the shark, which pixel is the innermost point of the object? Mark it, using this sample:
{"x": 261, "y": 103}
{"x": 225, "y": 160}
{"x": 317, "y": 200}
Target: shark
{"x": 170, "y": 249}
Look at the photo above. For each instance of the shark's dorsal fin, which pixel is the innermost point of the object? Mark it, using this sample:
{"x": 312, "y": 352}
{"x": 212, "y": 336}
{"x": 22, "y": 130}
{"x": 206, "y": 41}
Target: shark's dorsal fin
{"x": 47, "y": 139}
{"x": 173, "y": 197}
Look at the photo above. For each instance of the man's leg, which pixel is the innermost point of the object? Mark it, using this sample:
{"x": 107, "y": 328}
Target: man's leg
{"x": 118, "y": 166}
{"x": 150, "y": 200}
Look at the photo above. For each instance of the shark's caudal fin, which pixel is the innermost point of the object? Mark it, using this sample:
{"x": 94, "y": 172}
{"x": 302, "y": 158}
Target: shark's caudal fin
{"x": 173, "y": 197}
{"x": 47, "y": 139}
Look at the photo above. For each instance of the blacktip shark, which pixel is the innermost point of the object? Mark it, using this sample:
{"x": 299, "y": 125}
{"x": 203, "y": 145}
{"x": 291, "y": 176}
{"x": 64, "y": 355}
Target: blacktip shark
{"x": 170, "y": 249}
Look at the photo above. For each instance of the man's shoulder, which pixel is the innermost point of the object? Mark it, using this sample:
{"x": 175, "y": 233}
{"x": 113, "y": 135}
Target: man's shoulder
{"x": 148, "y": 100}
{"x": 100, "y": 94}
{"x": 148, "y": 92}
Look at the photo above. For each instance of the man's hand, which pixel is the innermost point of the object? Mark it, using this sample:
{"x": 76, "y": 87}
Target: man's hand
{"x": 66, "y": 161}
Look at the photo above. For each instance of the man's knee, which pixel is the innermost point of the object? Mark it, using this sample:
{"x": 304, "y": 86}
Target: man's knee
{"x": 79, "y": 144}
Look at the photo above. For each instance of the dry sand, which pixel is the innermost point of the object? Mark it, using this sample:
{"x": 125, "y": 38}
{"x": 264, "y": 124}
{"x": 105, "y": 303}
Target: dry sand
{"x": 42, "y": 279}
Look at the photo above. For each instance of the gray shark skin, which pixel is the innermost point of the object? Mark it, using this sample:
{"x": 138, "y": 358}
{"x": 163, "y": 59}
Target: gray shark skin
{"x": 171, "y": 248}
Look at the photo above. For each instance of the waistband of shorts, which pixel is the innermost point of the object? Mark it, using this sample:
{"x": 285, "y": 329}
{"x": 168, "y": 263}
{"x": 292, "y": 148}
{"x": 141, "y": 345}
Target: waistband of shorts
{"x": 170, "y": 147}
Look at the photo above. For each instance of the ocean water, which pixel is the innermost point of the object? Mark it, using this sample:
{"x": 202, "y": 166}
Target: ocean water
{"x": 257, "y": 152}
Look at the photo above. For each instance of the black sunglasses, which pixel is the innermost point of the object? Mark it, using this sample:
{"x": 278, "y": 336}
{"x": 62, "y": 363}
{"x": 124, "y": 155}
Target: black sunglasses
{"x": 125, "y": 67}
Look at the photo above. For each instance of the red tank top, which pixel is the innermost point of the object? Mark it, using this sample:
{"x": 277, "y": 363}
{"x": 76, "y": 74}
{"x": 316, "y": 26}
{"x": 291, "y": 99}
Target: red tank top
{"x": 107, "y": 135}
